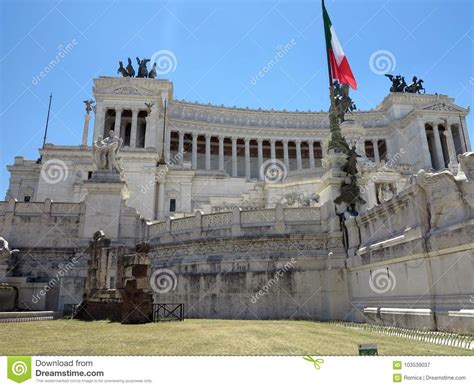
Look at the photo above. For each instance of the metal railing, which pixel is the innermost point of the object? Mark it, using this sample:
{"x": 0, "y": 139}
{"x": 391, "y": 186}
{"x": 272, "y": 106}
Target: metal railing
{"x": 168, "y": 312}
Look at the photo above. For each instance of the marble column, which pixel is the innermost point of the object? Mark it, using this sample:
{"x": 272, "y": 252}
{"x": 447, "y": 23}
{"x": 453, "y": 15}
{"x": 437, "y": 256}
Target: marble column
{"x": 464, "y": 133}
{"x": 260, "y": 153}
{"x": 208, "y": 152}
{"x": 423, "y": 145}
{"x": 194, "y": 152}
{"x": 133, "y": 130}
{"x": 375, "y": 144}
{"x": 118, "y": 119}
{"x": 389, "y": 145}
{"x": 311, "y": 153}
{"x": 234, "y": 157}
{"x": 299, "y": 164}
{"x": 168, "y": 147}
{"x": 181, "y": 147}
{"x": 272, "y": 149}
{"x": 221, "y": 153}
{"x": 439, "y": 150}
{"x": 247, "y": 158}
{"x": 99, "y": 122}
{"x": 451, "y": 148}
{"x": 161, "y": 199}
{"x": 85, "y": 130}
{"x": 286, "y": 158}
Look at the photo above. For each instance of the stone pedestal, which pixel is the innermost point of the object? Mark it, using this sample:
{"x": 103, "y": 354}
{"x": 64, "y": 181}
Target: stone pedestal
{"x": 332, "y": 178}
{"x": 117, "y": 285}
{"x": 105, "y": 195}
{"x": 134, "y": 278}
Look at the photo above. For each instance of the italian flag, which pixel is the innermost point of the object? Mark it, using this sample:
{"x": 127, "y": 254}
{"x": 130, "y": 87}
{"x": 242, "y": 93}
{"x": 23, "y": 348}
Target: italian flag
{"x": 338, "y": 64}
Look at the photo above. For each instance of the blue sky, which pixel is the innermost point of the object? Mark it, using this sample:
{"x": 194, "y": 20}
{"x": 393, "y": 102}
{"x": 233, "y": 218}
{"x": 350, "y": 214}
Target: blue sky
{"x": 219, "y": 47}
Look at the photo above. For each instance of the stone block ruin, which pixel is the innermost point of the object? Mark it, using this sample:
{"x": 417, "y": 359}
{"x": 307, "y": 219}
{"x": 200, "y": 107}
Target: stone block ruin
{"x": 117, "y": 286}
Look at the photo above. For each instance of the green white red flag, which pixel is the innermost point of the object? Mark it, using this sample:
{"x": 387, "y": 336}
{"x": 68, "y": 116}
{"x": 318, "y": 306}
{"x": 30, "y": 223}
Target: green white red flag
{"x": 338, "y": 64}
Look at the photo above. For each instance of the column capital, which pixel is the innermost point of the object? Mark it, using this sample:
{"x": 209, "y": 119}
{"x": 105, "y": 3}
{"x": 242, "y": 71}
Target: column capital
{"x": 195, "y": 135}
{"x": 234, "y": 140}
{"x": 298, "y": 142}
{"x": 119, "y": 109}
{"x": 285, "y": 141}
{"x": 221, "y": 137}
{"x": 259, "y": 141}
{"x": 272, "y": 141}
{"x": 135, "y": 110}
{"x": 247, "y": 140}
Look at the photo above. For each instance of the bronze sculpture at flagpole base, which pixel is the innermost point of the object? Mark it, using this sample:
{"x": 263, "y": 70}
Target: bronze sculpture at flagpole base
{"x": 350, "y": 193}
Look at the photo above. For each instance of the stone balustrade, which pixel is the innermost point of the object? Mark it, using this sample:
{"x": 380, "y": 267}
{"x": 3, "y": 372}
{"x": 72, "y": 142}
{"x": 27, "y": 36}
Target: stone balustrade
{"x": 237, "y": 223}
{"x": 26, "y": 224}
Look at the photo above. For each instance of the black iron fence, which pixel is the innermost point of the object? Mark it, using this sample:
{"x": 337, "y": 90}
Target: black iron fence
{"x": 69, "y": 310}
{"x": 168, "y": 312}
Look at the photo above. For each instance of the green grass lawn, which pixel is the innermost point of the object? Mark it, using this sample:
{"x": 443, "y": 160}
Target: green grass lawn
{"x": 201, "y": 337}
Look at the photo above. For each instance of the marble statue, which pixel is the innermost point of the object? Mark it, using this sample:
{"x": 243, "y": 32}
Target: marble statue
{"x": 385, "y": 192}
{"x": 300, "y": 199}
{"x": 446, "y": 203}
{"x": 5, "y": 251}
{"x": 105, "y": 152}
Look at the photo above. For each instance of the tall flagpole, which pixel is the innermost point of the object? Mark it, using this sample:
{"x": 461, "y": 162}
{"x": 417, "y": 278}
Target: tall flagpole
{"x": 331, "y": 89}
{"x": 337, "y": 141}
{"x": 47, "y": 120}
